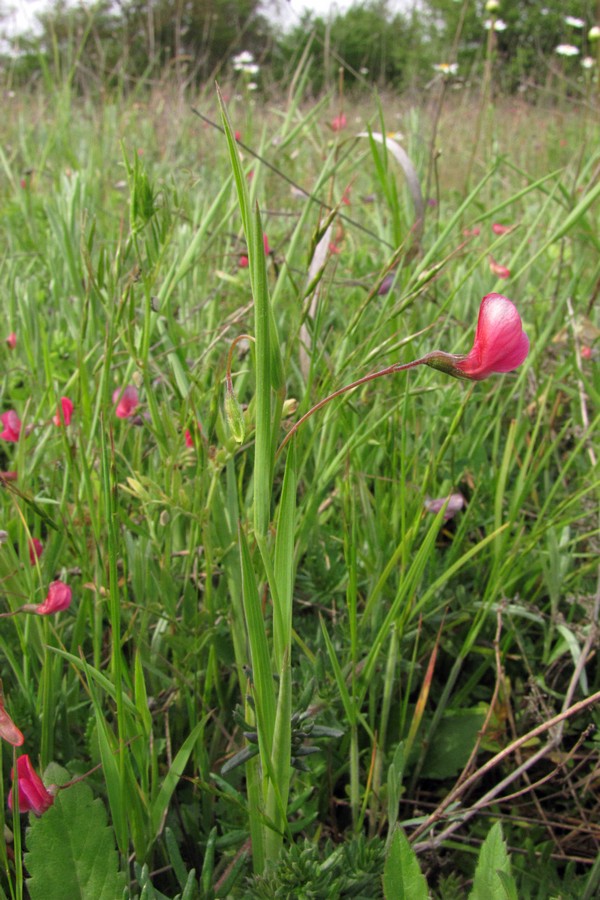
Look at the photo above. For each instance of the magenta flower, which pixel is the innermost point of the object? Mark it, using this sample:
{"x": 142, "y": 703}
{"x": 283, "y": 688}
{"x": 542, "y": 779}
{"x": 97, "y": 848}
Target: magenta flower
{"x": 498, "y": 269}
{"x": 497, "y": 228}
{"x": 58, "y": 599}
{"x": 36, "y": 548}
{"x": 8, "y": 730}
{"x": 11, "y": 340}
{"x": 127, "y": 401}
{"x": 500, "y": 343}
{"x": 243, "y": 262}
{"x": 12, "y": 426}
{"x": 338, "y": 122}
{"x": 32, "y": 793}
{"x": 64, "y": 412}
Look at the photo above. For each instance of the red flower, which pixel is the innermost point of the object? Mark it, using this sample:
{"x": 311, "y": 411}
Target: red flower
{"x": 499, "y": 270}
{"x": 127, "y": 401}
{"x": 338, "y": 122}
{"x": 11, "y": 340}
{"x": 586, "y": 352}
{"x": 64, "y": 412}
{"x": 243, "y": 262}
{"x": 238, "y": 135}
{"x": 8, "y": 730}
{"x": 472, "y": 232}
{"x": 501, "y": 229}
{"x": 59, "y": 598}
{"x": 32, "y": 793}
{"x": 36, "y": 548}
{"x": 8, "y": 476}
{"x": 500, "y": 343}
{"x": 12, "y": 426}
{"x": 266, "y": 245}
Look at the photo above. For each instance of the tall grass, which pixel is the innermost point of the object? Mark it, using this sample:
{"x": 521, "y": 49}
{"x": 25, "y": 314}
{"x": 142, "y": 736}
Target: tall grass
{"x": 235, "y": 611}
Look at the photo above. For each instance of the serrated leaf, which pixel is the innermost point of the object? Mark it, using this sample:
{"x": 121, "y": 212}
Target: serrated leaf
{"x": 71, "y": 850}
{"x": 488, "y": 884}
{"x": 402, "y": 876}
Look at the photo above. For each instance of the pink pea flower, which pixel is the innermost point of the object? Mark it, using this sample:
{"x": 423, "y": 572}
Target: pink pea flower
{"x": 64, "y": 412}
{"x": 455, "y": 503}
{"x": 8, "y": 730}
{"x": 8, "y": 476}
{"x": 346, "y": 196}
{"x": 334, "y": 248}
{"x": 238, "y": 135}
{"x": 32, "y": 793}
{"x": 499, "y": 270}
{"x": 586, "y": 352}
{"x": 12, "y": 426}
{"x": 127, "y": 401}
{"x": 11, "y": 340}
{"x": 338, "y": 122}
{"x": 500, "y": 343}
{"x": 36, "y": 548}
{"x": 497, "y": 228}
{"x": 243, "y": 262}
{"x": 472, "y": 232}
{"x": 58, "y": 599}
{"x": 268, "y": 250}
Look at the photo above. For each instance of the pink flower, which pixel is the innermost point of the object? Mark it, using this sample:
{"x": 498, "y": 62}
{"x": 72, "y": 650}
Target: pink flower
{"x": 338, "y": 122}
{"x": 32, "y": 793}
{"x": 334, "y": 249}
{"x": 8, "y": 730}
{"x": 500, "y": 343}
{"x": 238, "y": 135}
{"x": 499, "y": 270}
{"x": 268, "y": 250}
{"x": 455, "y": 503}
{"x": 64, "y": 412}
{"x": 586, "y": 352}
{"x": 12, "y": 426}
{"x": 127, "y": 401}
{"x": 243, "y": 262}
{"x": 11, "y": 340}
{"x": 8, "y": 476}
{"x": 472, "y": 232}
{"x": 501, "y": 229}
{"x": 36, "y": 548}
{"x": 58, "y": 599}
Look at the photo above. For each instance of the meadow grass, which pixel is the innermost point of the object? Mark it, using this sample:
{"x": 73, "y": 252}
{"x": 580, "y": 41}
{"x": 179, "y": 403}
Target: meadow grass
{"x": 234, "y": 607}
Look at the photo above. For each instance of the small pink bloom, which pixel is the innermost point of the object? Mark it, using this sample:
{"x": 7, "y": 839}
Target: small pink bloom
{"x": 250, "y": 175}
{"x": 346, "y": 196}
{"x": 8, "y": 730}
{"x": 32, "y": 793}
{"x": 499, "y": 270}
{"x": 243, "y": 262}
{"x": 500, "y": 343}
{"x": 11, "y": 340}
{"x": 238, "y": 135}
{"x": 23, "y": 183}
{"x": 338, "y": 122}
{"x": 472, "y": 232}
{"x": 333, "y": 248}
{"x": 501, "y": 229}
{"x": 127, "y": 401}
{"x": 268, "y": 250}
{"x": 189, "y": 440}
{"x": 58, "y": 599}
{"x": 8, "y": 476}
{"x": 64, "y": 412}
{"x": 455, "y": 503}
{"x": 586, "y": 352}
{"x": 36, "y": 548}
{"x": 12, "y": 426}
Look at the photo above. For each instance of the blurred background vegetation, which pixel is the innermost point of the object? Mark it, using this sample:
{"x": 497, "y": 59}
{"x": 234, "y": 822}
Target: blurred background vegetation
{"x": 127, "y": 43}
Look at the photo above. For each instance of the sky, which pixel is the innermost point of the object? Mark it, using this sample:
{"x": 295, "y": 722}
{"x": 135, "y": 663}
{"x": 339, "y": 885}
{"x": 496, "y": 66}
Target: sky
{"x": 23, "y": 11}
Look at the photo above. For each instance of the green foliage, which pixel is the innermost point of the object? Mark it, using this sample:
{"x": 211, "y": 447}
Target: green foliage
{"x": 71, "y": 849}
{"x": 493, "y": 879}
{"x": 402, "y": 876}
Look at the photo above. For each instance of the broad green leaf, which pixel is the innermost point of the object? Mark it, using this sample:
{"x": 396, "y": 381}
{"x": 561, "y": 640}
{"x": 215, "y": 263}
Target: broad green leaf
{"x": 71, "y": 850}
{"x": 452, "y": 743}
{"x": 493, "y": 859}
{"x": 402, "y": 876}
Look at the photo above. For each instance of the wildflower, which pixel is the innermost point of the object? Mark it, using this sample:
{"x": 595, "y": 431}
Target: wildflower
{"x": 8, "y": 476}
{"x": 498, "y": 269}
{"x": 588, "y": 62}
{"x": 472, "y": 232}
{"x": 11, "y": 340}
{"x": 492, "y": 6}
{"x": 36, "y": 548}
{"x": 566, "y": 50}
{"x": 334, "y": 248}
{"x": 586, "y": 352}
{"x": 58, "y": 599}
{"x": 252, "y": 86}
{"x": 500, "y": 343}
{"x": 243, "y": 262}
{"x": 455, "y": 503}
{"x": 363, "y": 70}
{"x": 245, "y": 58}
{"x": 346, "y": 196}
{"x": 594, "y": 33}
{"x": 386, "y": 284}
{"x": 3, "y": 536}
{"x": 12, "y": 426}
{"x": 574, "y": 22}
{"x": 497, "y": 228}
{"x": 446, "y": 68}
{"x": 268, "y": 250}
{"x": 8, "y": 730}
{"x": 127, "y": 401}
{"x": 64, "y": 412}
{"x": 238, "y": 135}
{"x": 338, "y": 122}
{"x": 32, "y": 793}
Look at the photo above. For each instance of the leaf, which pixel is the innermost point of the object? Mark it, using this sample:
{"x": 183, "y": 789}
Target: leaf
{"x": 402, "y": 876}
{"x": 452, "y": 743}
{"x": 71, "y": 850}
{"x": 488, "y": 883}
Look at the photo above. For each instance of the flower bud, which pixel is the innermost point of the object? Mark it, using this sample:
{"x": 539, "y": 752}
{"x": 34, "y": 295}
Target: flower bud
{"x": 492, "y": 6}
